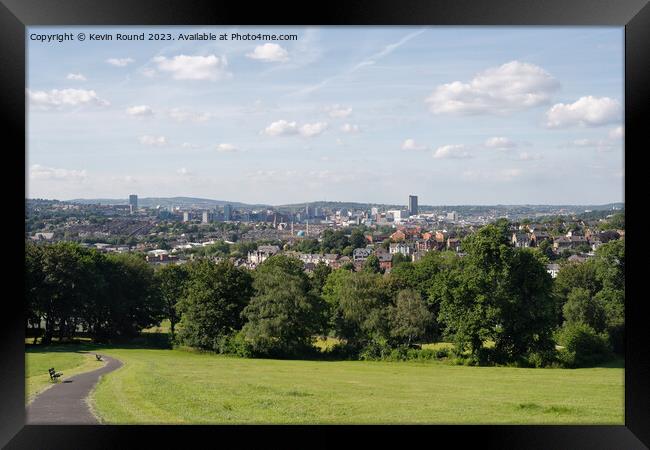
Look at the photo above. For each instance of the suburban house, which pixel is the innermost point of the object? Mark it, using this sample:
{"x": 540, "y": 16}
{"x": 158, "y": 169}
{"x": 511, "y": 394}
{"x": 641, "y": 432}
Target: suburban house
{"x": 385, "y": 261}
{"x": 425, "y": 245}
{"x": 262, "y": 253}
{"x": 400, "y": 247}
{"x": 330, "y": 258}
{"x": 453, "y": 244}
{"x": 520, "y": 240}
{"x": 361, "y": 254}
{"x": 536, "y": 237}
{"x": 399, "y": 235}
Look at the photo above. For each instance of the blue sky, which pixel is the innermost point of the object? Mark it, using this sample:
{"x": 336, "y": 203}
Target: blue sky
{"x": 456, "y": 115}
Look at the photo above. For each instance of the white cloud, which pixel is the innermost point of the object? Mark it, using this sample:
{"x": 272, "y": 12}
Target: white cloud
{"x": 500, "y": 143}
{"x": 510, "y": 87}
{"x": 617, "y": 133}
{"x": 120, "y": 62}
{"x": 139, "y": 111}
{"x": 183, "y": 172}
{"x": 65, "y": 97}
{"x": 350, "y": 128}
{"x": 269, "y": 53}
{"x": 284, "y": 128}
{"x": 189, "y": 145}
{"x": 313, "y": 129}
{"x": 184, "y": 67}
{"x": 337, "y": 111}
{"x": 281, "y": 128}
{"x": 185, "y": 115}
{"x": 226, "y": 148}
{"x": 157, "y": 141}
{"x": 75, "y": 77}
{"x": 586, "y": 111}
{"x": 38, "y": 172}
{"x": 451, "y": 152}
{"x": 410, "y": 144}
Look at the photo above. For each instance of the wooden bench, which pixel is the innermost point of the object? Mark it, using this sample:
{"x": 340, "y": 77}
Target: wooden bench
{"x": 54, "y": 375}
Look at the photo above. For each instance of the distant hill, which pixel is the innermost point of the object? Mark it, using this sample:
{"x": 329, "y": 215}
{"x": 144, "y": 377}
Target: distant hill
{"x": 183, "y": 202}
{"x": 192, "y": 202}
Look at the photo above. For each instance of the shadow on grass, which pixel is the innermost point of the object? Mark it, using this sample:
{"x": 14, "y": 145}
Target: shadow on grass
{"x": 618, "y": 363}
{"x": 158, "y": 341}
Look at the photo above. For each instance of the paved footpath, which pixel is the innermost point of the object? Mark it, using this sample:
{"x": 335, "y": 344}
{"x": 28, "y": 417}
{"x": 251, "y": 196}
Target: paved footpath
{"x": 65, "y": 402}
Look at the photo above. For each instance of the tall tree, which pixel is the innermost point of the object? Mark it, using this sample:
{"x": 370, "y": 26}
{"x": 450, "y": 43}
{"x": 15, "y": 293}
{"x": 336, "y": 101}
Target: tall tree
{"x": 171, "y": 282}
{"x": 357, "y": 239}
{"x": 409, "y": 318}
{"x": 284, "y": 314}
{"x": 319, "y": 276}
{"x": 372, "y": 264}
{"x": 214, "y": 298}
{"x": 527, "y": 315}
{"x": 359, "y": 306}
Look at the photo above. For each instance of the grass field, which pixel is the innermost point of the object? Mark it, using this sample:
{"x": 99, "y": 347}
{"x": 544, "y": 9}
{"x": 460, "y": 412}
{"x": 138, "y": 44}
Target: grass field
{"x": 38, "y": 360}
{"x": 163, "y": 386}
{"x": 175, "y": 386}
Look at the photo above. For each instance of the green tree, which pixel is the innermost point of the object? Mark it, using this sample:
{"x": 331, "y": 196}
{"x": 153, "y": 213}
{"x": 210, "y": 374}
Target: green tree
{"x": 546, "y": 248}
{"x": 409, "y": 318}
{"x": 284, "y": 314}
{"x": 319, "y": 276}
{"x": 68, "y": 284}
{"x": 497, "y": 293}
{"x": 527, "y": 311}
{"x": 583, "y": 346}
{"x": 582, "y": 307}
{"x": 34, "y": 284}
{"x": 131, "y": 301}
{"x": 357, "y": 239}
{"x": 171, "y": 280}
{"x": 334, "y": 241}
{"x": 399, "y": 258}
{"x": 359, "y": 307}
{"x": 308, "y": 246}
{"x": 213, "y": 302}
{"x": 241, "y": 249}
{"x": 372, "y": 264}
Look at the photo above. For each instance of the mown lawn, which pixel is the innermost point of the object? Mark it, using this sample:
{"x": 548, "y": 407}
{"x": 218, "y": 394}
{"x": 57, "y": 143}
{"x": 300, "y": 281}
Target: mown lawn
{"x": 176, "y": 386}
{"x": 63, "y": 358}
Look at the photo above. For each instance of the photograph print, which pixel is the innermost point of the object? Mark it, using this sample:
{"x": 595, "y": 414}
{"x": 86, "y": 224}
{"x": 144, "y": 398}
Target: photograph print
{"x": 325, "y": 225}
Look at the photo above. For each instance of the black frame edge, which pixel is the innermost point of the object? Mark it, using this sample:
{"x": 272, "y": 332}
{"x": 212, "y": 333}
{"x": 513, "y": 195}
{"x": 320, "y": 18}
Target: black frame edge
{"x": 630, "y": 13}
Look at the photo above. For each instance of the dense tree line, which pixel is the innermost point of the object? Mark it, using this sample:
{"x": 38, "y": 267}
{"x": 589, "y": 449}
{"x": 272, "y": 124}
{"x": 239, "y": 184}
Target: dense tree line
{"x": 71, "y": 288}
{"x": 497, "y": 304}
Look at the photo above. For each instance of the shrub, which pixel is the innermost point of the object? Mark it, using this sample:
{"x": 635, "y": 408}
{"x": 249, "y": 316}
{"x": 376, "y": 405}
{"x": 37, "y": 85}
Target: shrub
{"x": 376, "y": 349}
{"x": 541, "y": 359}
{"x": 233, "y": 344}
{"x": 582, "y": 345}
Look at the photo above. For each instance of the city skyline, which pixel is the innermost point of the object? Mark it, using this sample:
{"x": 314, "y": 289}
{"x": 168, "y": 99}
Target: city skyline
{"x": 463, "y": 115}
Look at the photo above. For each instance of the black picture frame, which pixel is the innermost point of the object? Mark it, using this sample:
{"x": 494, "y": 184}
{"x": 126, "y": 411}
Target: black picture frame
{"x": 634, "y": 15}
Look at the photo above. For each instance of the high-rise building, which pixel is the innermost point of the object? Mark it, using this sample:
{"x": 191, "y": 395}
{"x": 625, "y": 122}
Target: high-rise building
{"x": 186, "y": 216}
{"x": 227, "y": 212}
{"x": 133, "y": 202}
{"x": 307, "y": 212}
{"x": 413, "y": 205}
{"x": 205, "y": 217}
